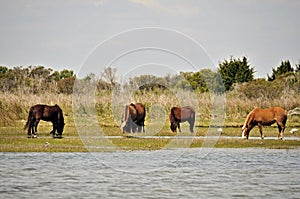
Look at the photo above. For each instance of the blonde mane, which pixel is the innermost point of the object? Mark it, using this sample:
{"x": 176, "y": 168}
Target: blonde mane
{"x": 248, "y": 116}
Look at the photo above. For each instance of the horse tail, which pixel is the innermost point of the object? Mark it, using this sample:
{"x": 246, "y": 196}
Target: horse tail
{"x": 172, "y": 115}
{"x": 193, "y": 115}
{"x": 125, "y": 116}
{"x": 26, "y": 126}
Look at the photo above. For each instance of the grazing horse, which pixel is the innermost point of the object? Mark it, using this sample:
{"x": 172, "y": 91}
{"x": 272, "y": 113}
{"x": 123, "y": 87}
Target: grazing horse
{"x": 182, "y": 114}
{"x": 265, "y": 117}
{"x": 134, "y": 118}
{"x": 52, "y": 114}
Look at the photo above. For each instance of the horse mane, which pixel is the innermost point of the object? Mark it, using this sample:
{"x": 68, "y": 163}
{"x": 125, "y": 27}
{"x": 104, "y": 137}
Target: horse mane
{"x": 26, "y": 126}
{"x": 172, "y": 115}
{"x": 132, "y": 104}
{"x": 248, "y": 117}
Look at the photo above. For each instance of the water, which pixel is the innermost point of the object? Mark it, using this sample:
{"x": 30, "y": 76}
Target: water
{"x": 179, "y": 173}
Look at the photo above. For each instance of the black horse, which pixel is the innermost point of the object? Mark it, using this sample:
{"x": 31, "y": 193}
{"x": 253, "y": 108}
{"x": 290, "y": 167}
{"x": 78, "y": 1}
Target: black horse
{"x": 52, "y": 114}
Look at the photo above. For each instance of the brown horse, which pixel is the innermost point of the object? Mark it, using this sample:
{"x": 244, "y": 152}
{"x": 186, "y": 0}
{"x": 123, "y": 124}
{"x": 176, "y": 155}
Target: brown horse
{"x": 265, "y": 117}
{"x": 182, "y": 114}
{"x": 134, "y": 118}
{"x": 52, "y": 114}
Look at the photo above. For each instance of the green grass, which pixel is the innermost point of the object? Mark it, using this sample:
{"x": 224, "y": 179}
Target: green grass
{"x": 241, "y": 143}
{"x": 14, "y": 139}
{"x": 22, "y": 144}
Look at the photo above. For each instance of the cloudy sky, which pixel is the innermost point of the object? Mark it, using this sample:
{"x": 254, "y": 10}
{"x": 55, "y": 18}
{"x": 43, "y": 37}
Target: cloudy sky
{"x": 61, "y": 34}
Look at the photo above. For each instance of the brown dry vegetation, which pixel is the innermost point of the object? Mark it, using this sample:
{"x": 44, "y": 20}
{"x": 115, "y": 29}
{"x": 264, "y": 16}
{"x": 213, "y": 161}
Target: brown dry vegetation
{"x": 14, "y": 107}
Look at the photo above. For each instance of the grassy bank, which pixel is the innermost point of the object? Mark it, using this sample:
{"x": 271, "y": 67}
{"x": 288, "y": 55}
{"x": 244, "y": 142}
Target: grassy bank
{"x": 13, "y": 139}
{"x": 76, "y": 145}
{"x": 14, "y": 109}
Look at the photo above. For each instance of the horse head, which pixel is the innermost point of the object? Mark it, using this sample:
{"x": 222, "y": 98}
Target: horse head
{"x": 60, "y": 128}
{"x": 245, "y": 131}
{"x": 173, "y": 126}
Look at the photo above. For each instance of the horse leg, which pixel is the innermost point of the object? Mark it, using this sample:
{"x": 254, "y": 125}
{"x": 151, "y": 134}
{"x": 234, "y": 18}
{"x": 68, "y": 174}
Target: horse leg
{"x": 140, "y": 126}
{"x": 34, "y": 128}
{"x": 53, "y": 129}
{"x": 30, "y": 129}
{"x": 260, "y": 130}
{"x": 134, "y": 127}
{"x": 178, "y": 124}
{"x": 191, "y": 126}
{"x": 281, "y": 128}
{"x": 282, "y": 125}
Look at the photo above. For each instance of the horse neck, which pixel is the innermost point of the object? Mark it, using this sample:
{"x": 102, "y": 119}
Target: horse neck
{"x": 60, "y": 116}
{"x": 248, "y": 119}
{"x": 173, "y": 115}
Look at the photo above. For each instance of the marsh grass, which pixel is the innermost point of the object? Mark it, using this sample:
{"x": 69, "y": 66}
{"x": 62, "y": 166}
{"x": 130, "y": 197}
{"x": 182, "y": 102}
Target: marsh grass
{"x": 15, "y": 107}
{"x": 13, "y": 139}
{"x": 14, "y": 111}
{"x": 22, "y": 144}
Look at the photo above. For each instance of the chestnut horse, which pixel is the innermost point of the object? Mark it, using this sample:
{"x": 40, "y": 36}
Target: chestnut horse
{"x": 134, "y": 118}
{"x": 182, "y": 114}
{"x": 52, "y": 114}
{"x": 265, "y": 117}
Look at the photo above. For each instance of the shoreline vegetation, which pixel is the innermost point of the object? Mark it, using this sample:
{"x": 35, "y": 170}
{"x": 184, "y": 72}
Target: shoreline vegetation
{"x": 13, "y": 137}
{"x": 21, "y": 88}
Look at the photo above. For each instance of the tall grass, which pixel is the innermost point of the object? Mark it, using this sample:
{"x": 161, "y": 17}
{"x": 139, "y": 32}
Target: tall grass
{"x": 14, "y": 107}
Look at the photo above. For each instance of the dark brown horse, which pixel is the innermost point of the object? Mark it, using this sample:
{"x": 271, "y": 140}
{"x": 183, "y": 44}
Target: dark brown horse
{"x": 52, "y": 114}
{"x": 265, "y": 117}
{"x": 182, "y": 114}
{"x": 134, "y": 118}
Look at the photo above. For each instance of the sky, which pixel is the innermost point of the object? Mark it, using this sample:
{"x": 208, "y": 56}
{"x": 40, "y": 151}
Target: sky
{"x": 72, "y": 34}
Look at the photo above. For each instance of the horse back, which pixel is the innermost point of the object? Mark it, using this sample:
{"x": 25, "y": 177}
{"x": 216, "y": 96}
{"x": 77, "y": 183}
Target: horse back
{"x": 182, "y": 114}
{"x": 268, "y": 116}
{"x": 47, "y": 113}
{"x": 136, "y": 112}
{"x": 140, "y": 111}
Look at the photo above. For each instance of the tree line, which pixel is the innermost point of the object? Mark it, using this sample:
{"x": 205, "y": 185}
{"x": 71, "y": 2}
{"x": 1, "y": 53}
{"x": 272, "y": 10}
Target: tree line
{"x": 36, "y": 79}
{"x": 231, "y": 74}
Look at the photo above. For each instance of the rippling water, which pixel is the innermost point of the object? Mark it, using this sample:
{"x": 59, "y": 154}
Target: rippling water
{"x": 180, "y": 173}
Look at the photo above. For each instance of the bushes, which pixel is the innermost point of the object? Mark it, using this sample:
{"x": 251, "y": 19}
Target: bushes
{"x": 19, "y": 94}
{"x": 36, "y": 80}
{"x": 283, "y": 91}
{"x": 14, "y": 107}
{"x": 260, "y": 88}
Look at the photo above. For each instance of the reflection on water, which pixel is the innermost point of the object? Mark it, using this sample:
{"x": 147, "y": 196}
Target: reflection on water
{"x": 180, "y": 173}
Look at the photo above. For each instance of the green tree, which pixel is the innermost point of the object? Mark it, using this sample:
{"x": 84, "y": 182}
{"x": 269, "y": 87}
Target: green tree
{"x": 285, "y": 67}
{"x": 40, "y": 72}
{"x": 203, "y": 80}
{"x": 235, "y": 71}
{"x": 196, "y": 80}
{"x": 3, "y": 69}
{"x": 66, "y": 74}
